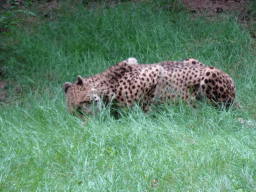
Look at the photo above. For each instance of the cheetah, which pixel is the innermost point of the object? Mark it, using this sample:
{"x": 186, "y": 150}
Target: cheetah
{"x": 129, "y": 82}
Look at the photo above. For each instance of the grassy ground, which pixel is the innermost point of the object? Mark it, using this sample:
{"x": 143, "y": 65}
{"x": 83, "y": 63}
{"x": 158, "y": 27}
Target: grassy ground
{"x": 177, "y": 148}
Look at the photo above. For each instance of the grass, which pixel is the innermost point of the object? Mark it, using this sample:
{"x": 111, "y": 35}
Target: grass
{"x": 177, "y": 148}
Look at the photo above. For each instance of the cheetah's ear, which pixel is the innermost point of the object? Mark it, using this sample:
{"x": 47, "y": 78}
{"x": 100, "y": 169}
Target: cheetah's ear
{"x": 80, "y": 80}
{"x": 66, "y": 86}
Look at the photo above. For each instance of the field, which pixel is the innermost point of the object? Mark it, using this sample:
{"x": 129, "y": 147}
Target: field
{"x": 173, "y": 148}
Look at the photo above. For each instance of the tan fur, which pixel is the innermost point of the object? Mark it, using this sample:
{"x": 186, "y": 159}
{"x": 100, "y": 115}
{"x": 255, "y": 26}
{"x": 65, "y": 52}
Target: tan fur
{"x": 128, "y": 82}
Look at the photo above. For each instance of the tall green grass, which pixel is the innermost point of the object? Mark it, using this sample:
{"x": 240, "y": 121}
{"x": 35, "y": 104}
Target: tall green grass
{"x": 175, "y": 148}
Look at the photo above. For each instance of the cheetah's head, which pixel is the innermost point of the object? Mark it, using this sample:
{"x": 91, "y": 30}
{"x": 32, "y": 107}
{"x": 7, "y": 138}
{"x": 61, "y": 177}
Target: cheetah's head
{"x": 81, "y": 96}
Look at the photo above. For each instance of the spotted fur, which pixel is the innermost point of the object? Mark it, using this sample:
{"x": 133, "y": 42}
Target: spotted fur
{"x": 128, "y": 82}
